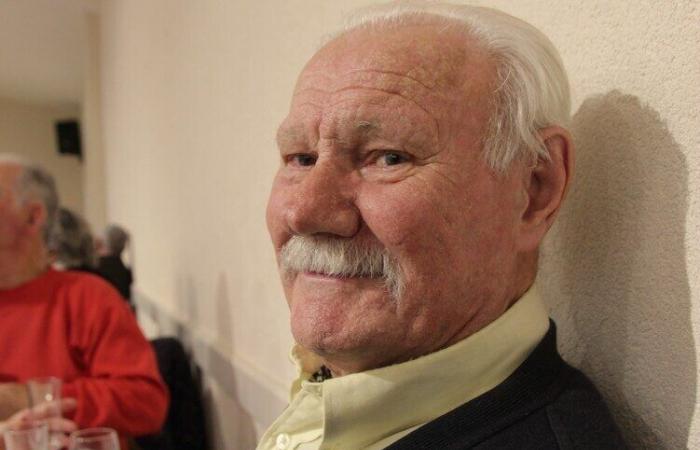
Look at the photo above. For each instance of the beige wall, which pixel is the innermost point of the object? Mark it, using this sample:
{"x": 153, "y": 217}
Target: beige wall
{"x": 193, "y": 92}
{"x": 28, "y": 129}
{"x": 94, "y": 183}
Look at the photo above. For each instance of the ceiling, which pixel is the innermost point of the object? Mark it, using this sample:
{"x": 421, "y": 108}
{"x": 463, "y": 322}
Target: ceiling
{"x": 42, "y": 45}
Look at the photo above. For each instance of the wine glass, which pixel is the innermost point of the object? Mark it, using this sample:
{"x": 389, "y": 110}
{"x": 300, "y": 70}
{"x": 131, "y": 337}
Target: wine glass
{"x": 94, "y": 439}
{"x": 31, "y": 436}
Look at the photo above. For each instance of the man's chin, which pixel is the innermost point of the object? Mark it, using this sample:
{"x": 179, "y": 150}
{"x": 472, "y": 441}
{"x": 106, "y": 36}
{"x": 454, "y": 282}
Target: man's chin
{"x": 323, "y": 337}
{"x": 344, "y": 344}
{"x": 332, "y": 317}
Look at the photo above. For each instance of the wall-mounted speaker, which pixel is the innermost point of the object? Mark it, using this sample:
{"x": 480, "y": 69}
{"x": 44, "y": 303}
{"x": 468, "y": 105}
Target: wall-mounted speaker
{"x": 68, "y": 137}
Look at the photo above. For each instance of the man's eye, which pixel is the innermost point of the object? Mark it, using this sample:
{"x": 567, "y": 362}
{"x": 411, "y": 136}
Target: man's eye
{"x": 301, "y": 159}
{"x": 391, "y": 159}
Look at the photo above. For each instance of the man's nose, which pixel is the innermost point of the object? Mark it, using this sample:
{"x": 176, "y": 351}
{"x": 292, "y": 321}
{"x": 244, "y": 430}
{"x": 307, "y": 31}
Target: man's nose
{"x": 324, "y": 203}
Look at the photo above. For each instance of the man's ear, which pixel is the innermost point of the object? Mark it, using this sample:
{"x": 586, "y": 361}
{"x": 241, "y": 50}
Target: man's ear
{"x": 546, "y": 185}
{"x": 36, "y": 217}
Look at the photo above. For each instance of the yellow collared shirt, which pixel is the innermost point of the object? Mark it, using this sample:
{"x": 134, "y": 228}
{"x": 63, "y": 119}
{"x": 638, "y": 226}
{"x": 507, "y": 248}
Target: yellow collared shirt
{"x": 373, "y": 409}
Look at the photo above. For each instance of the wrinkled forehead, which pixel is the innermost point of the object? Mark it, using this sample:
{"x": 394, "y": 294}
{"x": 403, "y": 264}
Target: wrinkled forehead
{"x": 424, "y": 79}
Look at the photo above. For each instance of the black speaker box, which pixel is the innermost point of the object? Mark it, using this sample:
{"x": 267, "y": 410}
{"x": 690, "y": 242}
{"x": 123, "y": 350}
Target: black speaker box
{"x": 68, "y": 137}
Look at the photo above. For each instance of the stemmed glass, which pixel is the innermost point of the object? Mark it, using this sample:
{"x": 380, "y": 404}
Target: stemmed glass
{"x": 94, "y": 439}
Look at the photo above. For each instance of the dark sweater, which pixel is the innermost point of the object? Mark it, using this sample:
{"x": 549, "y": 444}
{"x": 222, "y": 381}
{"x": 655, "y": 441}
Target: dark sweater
{"x": 544, "y": 404}
{"x": 112, "y": 269}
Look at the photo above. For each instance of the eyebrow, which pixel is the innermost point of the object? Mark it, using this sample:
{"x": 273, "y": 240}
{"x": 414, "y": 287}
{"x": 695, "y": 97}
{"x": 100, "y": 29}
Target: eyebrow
{"x": 288, "y": 134}
{"x": 367, "y": 126}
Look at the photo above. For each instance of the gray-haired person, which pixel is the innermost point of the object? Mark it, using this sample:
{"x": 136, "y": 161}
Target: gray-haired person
{"x": 67, "y": 324}
{"x": 424, "y": 158}
{"x": 71, "y": 242}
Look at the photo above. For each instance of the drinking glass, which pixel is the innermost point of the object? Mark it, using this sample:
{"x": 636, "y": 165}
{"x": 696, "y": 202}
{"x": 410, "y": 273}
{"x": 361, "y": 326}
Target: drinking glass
{"x": 94, "y": 439}
{"x": 45, "y": 390}
{"x": 45, "y": 393}
{"x": 33, "y": 436}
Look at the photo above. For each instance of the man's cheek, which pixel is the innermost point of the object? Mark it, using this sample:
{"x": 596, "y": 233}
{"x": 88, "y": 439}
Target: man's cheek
{"x": 395, "y": 219}
{"x": 287, "y": 286}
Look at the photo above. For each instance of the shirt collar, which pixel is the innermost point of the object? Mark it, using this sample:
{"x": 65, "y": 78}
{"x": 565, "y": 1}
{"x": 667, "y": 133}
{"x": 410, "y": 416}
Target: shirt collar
{"x": 363, "y": 408}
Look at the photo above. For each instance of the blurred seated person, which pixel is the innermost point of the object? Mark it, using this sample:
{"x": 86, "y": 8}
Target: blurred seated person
{"x": 110, "y": 265}
{"x": 44, "y": 412}
{"x": 71, "y": 243}
{"x": 71, "y": 325}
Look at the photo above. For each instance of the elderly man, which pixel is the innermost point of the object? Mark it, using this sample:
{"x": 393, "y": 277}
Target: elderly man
{"x": 423, "y": 160}
{"x": 69, "y": 325}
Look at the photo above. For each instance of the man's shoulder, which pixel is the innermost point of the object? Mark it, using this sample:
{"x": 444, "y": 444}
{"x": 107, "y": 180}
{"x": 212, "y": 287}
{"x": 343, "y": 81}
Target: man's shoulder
{"x": 544, "y": 404}
{"x": 79, "y": 279}
{"x": 86, "y": 288}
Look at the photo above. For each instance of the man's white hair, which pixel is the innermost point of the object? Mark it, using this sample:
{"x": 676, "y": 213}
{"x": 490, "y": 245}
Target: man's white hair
{"x": 35, "y": 183}
{"x": 531, "y": 90}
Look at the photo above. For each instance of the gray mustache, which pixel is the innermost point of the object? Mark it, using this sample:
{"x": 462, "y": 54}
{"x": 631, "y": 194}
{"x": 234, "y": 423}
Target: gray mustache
{"x": 340, "y": 257}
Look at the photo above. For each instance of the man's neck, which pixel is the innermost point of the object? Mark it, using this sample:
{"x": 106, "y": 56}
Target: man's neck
{"x": 19, "y": 267}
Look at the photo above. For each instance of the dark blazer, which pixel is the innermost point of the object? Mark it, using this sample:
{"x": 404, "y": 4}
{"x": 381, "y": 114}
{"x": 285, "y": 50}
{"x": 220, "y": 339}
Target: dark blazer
{"x": 545, "y": 404}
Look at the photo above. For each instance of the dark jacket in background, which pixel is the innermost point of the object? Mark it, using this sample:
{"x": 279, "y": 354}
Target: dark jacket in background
{"x": 185, "y": 425}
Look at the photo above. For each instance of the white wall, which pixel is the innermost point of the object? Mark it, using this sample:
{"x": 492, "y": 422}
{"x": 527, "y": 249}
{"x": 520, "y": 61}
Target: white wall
{"x": 193, "y": 92}
{"x": 28, "y": 129}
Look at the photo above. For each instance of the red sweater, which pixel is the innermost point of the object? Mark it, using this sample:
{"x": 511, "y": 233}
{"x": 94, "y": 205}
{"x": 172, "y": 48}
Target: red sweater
{"x": 75, "y": 326}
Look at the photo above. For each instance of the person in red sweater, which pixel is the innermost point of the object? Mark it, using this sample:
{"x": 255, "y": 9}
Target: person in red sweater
{"x": 70, "y": 325}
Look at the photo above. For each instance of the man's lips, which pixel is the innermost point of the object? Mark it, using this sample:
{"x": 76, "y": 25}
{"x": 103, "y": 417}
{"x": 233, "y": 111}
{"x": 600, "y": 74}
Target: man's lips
{"x": 319, "y": 281}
